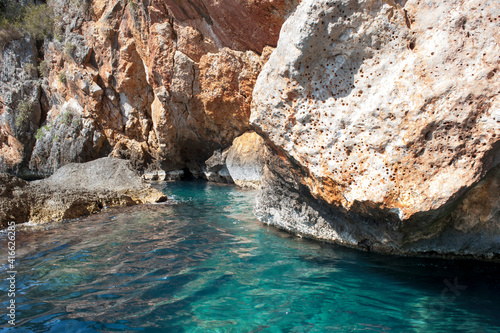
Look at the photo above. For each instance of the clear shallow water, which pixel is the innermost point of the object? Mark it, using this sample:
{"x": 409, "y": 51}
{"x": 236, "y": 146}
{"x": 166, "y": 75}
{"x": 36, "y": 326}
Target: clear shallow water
{"x": 204, "y": 264}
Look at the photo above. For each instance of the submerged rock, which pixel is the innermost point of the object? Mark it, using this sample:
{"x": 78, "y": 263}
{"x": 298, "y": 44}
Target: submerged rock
{"x": 385, "y": 115}
{"x": 72, "y": 191}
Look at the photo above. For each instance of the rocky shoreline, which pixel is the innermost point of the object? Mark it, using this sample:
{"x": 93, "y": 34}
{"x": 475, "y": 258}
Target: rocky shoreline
{"x": 385, "y": 127}
{"x": 78, "y": 189}
{"x": 370, "y": 124}
{"x": 72, "y": 191}
{"x": 466, "y": 229}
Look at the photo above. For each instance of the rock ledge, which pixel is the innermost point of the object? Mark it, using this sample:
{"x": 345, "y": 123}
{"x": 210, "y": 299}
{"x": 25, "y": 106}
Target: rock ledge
{"x": 72, "y": 191}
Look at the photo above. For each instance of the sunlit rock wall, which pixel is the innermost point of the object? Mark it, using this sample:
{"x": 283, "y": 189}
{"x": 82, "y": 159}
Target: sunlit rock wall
{"x": 162, "y": 83}
{"x": 387, "y": 112}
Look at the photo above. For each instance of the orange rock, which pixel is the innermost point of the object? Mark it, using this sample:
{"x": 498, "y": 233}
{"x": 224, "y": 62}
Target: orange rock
{"x": 175, "y": 77}
{"x": 237, "y": 24}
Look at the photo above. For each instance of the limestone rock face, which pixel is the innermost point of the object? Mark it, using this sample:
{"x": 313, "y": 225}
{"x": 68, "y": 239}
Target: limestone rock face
{"x": 72, "y": 191}
{"x": 20, "y": 109}
{"x": 240, "y": 25}
{"x": 162, "y": 83}
{"x": 388, "y": 115}
{"x": 69, "y": 137}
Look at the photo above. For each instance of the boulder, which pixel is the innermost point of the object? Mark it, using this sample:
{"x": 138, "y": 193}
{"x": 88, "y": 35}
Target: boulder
{"x": 242, "y": 163}
{"x": 385, "y": 117}
{"x": 216, "y": 169}
{"x": 245, "y": 160}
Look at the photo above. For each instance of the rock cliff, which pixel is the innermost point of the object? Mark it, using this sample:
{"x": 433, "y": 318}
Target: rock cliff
{"x": 385, "y": 116}
{"x": 20, "y": 95}
{"x": 162, "y": 83}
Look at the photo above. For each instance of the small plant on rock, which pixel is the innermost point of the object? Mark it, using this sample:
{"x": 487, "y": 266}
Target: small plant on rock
{"x": 77, "y": 122}
{"x": 62, "y": 77}
{"x": 76, "y": 3}
{"x": 24, "y": 112}
{"x": 69, "y": 49}
{"x": 29, "y": 68}
{"x": 58, "y": 31}
{"x": 43, "y": 68}
{"x": 41, "y": 131}
{"x": 67, "y": 118}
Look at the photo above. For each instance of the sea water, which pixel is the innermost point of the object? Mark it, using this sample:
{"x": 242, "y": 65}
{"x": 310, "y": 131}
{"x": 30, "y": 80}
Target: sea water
{"x": 202, "y": 263}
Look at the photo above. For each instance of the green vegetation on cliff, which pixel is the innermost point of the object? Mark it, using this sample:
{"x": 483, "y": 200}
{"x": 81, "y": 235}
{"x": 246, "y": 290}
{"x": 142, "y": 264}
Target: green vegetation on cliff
{"x": 17, "y": 18}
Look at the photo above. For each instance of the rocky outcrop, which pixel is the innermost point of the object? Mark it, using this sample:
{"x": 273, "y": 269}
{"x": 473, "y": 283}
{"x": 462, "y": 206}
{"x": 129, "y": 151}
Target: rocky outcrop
{"x": 162, "y": 83}
{"x": 245, "y": 160}
{"x": 242, "y": 163}
{"x": 72, "y": 191}
{"x": 387, "y": 115}
{"x": 383, "y": 115}
{"x": 216, "y": 168}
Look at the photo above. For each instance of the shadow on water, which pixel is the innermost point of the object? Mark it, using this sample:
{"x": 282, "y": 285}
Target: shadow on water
{"x": 469, "y": 285}
{"x": 203, "y": 263}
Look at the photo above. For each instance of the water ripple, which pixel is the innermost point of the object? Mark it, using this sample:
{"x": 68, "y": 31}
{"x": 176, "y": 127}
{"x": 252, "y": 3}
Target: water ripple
{"x": 202, "y": 263}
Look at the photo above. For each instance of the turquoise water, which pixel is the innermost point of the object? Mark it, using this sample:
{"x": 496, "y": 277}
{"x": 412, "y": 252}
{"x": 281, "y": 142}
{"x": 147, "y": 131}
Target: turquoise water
{"x": 203, "y": 263}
